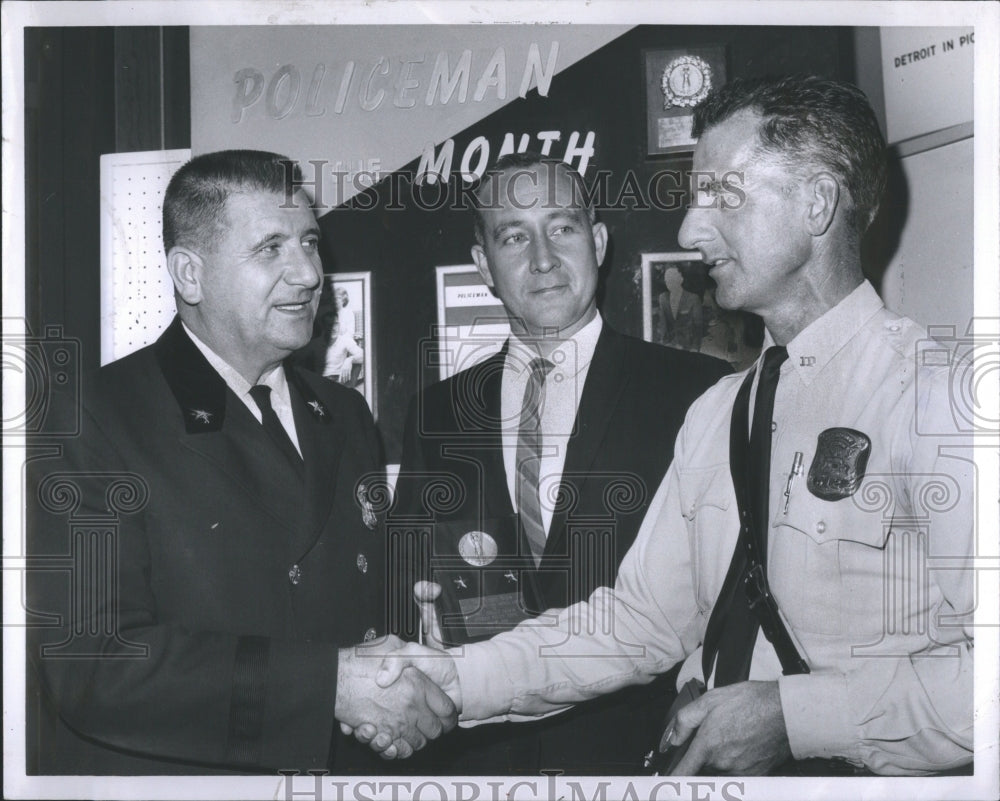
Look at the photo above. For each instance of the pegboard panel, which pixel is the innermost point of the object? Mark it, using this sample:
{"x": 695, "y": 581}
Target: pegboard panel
{"x": 137, "y": 296}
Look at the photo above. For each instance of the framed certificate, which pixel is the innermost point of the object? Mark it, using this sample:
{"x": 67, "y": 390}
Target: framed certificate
{"x": 677, "y": 80}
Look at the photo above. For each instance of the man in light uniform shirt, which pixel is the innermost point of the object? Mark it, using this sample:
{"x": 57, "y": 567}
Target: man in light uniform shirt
{"x": 870, "y": 493}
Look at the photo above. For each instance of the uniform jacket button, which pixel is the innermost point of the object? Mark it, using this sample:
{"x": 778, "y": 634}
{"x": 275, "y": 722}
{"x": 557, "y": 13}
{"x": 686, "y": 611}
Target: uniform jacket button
{"x": 370, "y": 634}
{"x": 295, "y": 574}
{"x": 820, "y": 527}
{"x": 362, "y": 563}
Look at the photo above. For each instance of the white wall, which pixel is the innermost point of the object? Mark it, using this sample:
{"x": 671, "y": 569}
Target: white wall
{"x": 930, "y": 276}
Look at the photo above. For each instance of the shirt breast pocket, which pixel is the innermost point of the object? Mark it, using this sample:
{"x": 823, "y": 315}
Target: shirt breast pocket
{"x": 825, "y": 556}
{"x": 708, "y": 506}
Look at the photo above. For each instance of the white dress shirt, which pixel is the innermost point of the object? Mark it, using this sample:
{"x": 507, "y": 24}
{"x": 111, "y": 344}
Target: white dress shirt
{"x": 563, "y": 388}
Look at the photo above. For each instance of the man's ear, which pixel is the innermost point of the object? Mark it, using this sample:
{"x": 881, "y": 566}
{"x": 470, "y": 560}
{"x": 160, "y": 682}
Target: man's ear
{"x": 482, "y": 264}
{"x": 823, "y": 198}
{"x": 185, "y": 268}
{"x": 600, "y": 241}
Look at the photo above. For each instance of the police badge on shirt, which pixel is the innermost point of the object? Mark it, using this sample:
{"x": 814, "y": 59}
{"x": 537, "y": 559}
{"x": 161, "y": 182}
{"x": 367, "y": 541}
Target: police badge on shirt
{"x": 839, "y": 464}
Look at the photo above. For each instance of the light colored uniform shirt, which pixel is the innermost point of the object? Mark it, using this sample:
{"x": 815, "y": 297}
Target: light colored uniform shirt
{"x": 563, "y": 388}
{"x": 876, "y": 588}
{"x": 281, "y": 400}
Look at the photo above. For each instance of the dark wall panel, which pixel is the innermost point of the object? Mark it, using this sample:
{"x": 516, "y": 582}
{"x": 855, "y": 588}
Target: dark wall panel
{"x": 176, "y": 88}
{"x": 89, "y": 91}
{"x": 138, "y": 108}
{"x": 69, "y": 123}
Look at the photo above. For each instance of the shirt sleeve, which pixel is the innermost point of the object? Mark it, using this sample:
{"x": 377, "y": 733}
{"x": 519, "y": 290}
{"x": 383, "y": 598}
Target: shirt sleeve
{"x": 910, "y": 712}
{"x": 621, "y": 636}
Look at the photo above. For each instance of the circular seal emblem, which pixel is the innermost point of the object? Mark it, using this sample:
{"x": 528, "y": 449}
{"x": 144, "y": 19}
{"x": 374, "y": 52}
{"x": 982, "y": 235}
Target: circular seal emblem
{"x": 477, "y": 548}
{"x": 686, "y": 81}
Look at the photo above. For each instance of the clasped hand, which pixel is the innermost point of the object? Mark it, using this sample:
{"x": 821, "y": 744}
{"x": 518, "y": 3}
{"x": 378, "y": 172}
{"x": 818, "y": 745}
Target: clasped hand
{"x": 405, "y": 711}
{"x": 430, "y": 668}
{"x": 739, "y": 729}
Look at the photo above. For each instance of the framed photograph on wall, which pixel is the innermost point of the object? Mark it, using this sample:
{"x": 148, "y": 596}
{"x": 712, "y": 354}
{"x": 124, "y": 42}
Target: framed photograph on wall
{"x": 341, "y": 348}
{"x": 679, "y": 311}
{"x": 471, "y": 321}
{"x": 677, "y": 80}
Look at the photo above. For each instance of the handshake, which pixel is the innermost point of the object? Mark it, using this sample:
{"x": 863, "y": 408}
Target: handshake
{"x": 395, "y": 696}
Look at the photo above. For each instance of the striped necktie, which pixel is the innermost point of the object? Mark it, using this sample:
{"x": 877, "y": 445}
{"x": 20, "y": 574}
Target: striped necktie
{"x": 529, "y": 455}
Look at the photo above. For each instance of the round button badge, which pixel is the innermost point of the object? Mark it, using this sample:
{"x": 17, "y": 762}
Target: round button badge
{"x": 478, "y": 548}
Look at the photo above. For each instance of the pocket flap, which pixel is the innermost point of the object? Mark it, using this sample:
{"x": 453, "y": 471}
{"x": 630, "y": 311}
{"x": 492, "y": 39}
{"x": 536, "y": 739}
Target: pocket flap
{"x": 826, "y": 521}
{"x": 710, "y": 486}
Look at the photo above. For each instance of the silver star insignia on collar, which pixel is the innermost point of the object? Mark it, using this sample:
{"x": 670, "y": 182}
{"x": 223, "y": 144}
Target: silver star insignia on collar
{"x": 201, "y": 415}
{"x": 317, "y": 408}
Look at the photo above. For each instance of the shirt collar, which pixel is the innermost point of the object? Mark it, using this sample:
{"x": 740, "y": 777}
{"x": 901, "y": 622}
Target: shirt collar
{"x": 274, "y": 378}
{"x": 573, "y": 354}
{"x": 816, "y": 344}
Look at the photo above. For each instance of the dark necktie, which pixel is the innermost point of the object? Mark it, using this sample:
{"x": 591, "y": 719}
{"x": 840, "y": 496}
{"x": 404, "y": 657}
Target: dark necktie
{"x": 261, "y": 394}
{"x": 529, "y": 454}
{"x": 733, "y": 627}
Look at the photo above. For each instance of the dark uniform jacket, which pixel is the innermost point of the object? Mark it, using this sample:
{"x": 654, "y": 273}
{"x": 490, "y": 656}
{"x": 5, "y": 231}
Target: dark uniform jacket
{"x": 452, "y": 474}
{"x": 192, "y": 591}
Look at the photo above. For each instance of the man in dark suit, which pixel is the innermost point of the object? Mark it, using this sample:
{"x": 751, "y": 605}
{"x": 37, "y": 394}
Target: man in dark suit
{"x": 216, "y": 511}
{"x": 529, "y": 473}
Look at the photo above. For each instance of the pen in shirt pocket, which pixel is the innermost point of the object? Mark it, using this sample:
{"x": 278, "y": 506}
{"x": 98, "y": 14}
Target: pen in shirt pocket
{"x": 795, "y": 471}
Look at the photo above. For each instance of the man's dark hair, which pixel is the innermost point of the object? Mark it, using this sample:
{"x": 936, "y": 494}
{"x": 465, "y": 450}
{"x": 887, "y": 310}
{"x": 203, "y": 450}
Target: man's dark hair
{"x": 527, "y": 160}
{"x": 195, "y": 202}
{"x": 810, "y": 120}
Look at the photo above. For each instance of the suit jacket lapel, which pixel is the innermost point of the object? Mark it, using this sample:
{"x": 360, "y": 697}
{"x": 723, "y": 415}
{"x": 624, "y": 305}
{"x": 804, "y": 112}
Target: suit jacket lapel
{"x": 604, "y": 386}
{"x": 478, "y": 390}
{"x": 321, "y": 438}
{"x": 220, "y": 428}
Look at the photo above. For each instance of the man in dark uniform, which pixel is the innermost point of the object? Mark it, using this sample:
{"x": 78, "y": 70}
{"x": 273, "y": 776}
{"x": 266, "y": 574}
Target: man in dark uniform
{"x": 549, "y": 527}
{"x": 217, "y": 510}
